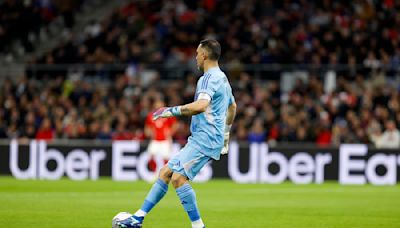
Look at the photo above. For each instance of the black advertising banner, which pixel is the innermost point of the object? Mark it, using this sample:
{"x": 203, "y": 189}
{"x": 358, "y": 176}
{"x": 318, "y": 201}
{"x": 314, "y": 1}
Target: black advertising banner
{"x": 254, "y": 163}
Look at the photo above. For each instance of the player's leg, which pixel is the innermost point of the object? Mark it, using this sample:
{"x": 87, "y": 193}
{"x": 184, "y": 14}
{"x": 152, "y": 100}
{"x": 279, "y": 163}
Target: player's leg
{"x": 185, "y": 167}
{"x": 156, "y": 193}
{"x": 187, "y": 197}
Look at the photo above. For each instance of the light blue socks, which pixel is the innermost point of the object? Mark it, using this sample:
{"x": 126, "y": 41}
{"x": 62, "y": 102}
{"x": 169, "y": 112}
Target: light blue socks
{"x": 186, "y": 195}
{"x": 156, "y": 193}
{"x": 188, "y": 200}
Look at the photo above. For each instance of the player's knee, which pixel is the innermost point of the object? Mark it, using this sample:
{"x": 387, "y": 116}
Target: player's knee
{"x": 178, "y": 180}
{"x": 165, "y": 173}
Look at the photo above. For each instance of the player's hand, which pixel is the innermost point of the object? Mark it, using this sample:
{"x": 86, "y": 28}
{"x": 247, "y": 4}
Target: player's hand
{"x": 226, "y": 144}
{"x": 166, "y": 112}
{"x": 163, "y": 112}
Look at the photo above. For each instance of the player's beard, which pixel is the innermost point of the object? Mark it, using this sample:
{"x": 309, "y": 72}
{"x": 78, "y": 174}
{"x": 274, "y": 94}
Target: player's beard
{"x": 200, "y": 67}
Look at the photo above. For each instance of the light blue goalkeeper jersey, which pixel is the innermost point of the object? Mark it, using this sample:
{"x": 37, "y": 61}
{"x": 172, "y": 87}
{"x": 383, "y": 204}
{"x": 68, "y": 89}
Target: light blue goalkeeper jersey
{"x": 207, "y": 128}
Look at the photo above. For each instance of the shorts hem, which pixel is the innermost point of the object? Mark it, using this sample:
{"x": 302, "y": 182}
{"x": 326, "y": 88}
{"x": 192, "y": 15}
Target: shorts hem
{"x": 183, "y": 173}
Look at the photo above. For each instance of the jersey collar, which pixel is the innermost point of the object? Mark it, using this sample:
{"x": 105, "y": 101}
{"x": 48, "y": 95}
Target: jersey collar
{"x": 212, "y": 69}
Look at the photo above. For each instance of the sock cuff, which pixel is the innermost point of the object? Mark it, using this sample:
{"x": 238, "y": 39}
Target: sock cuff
{"x": 162, "y": 184}
{"x": 194, "y": 215}
{"x": 183, "y": 189}
{"x": 147, "y": 206}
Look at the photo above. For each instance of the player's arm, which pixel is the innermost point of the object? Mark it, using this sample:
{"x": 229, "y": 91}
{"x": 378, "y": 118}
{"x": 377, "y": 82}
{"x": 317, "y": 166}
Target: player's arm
{"x": 230, "y": 116}
{"x": 148, "y": 132}
{"x": 205, "y": 93}
{"x": 194, "y": 108}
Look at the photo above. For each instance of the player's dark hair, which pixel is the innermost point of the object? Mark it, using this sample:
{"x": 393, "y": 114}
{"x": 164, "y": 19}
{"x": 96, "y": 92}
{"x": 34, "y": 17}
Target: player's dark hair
{"x": 213, "y": 48}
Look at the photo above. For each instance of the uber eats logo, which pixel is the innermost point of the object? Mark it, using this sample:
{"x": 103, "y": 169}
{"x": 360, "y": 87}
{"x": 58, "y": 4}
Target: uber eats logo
{"x": 125, "y": 162}
{"x": 355, "y": 169}
{"x": 76, "y": 164}
{"x": 274, "y": 167}
{"x": 129, "y": 164}
{"x": 354, "y": 166}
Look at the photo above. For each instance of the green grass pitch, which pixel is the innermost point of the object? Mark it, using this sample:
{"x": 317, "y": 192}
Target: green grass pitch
{"x": 222, "y": 203}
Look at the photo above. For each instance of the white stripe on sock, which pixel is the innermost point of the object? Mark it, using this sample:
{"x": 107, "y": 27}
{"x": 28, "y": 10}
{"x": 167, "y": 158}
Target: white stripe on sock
{"x": 198, "y": 224}
{"x": 140, "y": 213}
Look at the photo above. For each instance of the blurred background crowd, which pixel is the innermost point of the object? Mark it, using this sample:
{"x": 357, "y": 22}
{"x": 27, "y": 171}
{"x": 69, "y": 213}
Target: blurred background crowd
{"x": 24, "y": 21}
{"x": 325, "y": 72}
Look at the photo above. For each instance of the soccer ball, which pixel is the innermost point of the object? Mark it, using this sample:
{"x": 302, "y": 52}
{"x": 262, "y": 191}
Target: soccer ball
{"x": 119, "y": 217}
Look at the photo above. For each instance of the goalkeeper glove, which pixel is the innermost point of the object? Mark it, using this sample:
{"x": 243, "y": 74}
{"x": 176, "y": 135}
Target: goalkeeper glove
{"x": 226, "y": 139}
{"x": 166, "y": 112}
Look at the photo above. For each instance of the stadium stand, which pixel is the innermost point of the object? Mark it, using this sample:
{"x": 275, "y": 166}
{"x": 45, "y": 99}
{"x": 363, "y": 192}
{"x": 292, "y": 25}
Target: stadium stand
{"x": 358, "y": 42}
{"x": 23, "y": 21}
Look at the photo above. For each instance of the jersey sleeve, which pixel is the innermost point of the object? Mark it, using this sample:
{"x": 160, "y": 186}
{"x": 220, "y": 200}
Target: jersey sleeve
{"x": 204, "y": 96}
{"x": 209, "y": 85}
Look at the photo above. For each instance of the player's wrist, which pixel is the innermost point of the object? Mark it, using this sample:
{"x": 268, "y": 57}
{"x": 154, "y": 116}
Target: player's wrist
{"x": 176, "y": 110}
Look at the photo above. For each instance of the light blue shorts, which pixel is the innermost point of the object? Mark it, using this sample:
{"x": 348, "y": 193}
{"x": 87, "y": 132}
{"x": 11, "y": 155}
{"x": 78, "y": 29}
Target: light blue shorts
{"x": 188, "y": 161}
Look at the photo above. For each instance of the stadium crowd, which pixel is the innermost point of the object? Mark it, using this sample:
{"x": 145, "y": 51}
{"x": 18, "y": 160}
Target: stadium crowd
{"x": 250, "y": 31}
{"x": 155, "y": 37}
{"x": 22, "y": 20}
{"x": 359, "y": 111}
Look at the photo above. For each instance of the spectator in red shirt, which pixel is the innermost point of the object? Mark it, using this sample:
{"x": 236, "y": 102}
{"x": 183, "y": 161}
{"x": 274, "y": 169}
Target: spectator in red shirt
{"x": 324, "y": 135}
{"x": 160, "y": 131}
{"x": 45, "y": 131}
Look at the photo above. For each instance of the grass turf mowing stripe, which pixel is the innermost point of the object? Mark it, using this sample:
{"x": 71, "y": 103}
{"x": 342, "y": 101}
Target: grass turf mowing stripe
{"x": 65, "y": 203}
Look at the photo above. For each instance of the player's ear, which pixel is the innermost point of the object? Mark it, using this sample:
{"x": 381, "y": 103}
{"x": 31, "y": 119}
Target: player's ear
{"x": 205, "y": 55}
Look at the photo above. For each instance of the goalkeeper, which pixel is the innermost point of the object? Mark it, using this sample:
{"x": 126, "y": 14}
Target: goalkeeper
{"x": 213, "y": 112}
